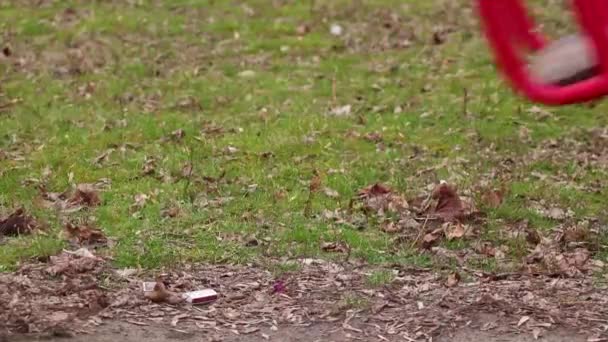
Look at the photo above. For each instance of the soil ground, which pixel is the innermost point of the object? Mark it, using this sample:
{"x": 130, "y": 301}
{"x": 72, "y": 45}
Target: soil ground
{"x": 119, "y": 331}
{"x": 322, "y": 301}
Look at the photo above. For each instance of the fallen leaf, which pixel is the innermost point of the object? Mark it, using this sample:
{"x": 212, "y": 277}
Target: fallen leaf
{"x": 187, "y": 170}
{"x": 380, "y": 199}
{"x": 453, "y": 279}
{"x": 523, "y": 320}
{"x": 486, "y": 248}
{"x": 438, "y": 38}
{"x": 536, "y": 333}
{"x": 178, "y": 134}
{"x": 102, "y": 157}
{"x": 149, "y": 167}
{"x": 140, "y": 201}
{"x": 315, "y": 182}
{"x": 449, "y": 205}
{"x": 170, "y": 212}
{"x": 391, "y": 228}
{"x": 493, "y": 198}
{"x": 160, "y": 294}
{"x": 84, "y": 234}
{"x": 576, "y": 234}
{"x": 376, "y": 189}
{"x": 252, "y": 242}
{"x": 374, "y": 137}
{"x": 70, "y": 263}
{"x": 86, "y": 195}
{"x": 431, "y": 238}
{"x": 17, "y": 223}
{"x": 454, "y": 231}
{"x": 302, "y": 29}
{"x": 337, "y": 247}
{"x": 532, "y": 236}
{"x": 83, "y": 253}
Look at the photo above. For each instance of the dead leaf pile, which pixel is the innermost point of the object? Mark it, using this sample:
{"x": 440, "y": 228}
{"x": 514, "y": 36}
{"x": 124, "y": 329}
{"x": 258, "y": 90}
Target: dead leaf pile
{"x": 84, "y": 234}
{"x": 380, "y": 200}
{"x": 425, "y": 220}
{"x": 17, "y": 223}
{"x": 70, "y": 264}
{"x": 34, "y": 300}
{"x": 42, "y": 298}
{"x": 85, "y": 195}
{"x": 551, "y": 256}
{"x": 450, "y": 207}
{"x": 336, "y": 247}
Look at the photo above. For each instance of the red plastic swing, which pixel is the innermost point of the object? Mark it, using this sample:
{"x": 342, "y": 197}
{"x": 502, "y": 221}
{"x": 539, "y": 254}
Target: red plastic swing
{"x": 511, "y": 31}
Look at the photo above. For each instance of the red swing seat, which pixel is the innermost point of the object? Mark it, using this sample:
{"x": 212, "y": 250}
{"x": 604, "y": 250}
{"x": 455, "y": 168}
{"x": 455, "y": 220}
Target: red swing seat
{"x": 511, "y": 34}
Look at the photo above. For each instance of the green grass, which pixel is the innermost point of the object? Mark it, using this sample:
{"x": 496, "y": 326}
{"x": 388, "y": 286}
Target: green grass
{"x": 379, "y": 278}
{"x": 144, "y": 59}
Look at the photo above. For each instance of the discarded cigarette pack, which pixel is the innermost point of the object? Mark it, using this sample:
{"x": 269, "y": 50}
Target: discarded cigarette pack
{"x": 201, "y": 296}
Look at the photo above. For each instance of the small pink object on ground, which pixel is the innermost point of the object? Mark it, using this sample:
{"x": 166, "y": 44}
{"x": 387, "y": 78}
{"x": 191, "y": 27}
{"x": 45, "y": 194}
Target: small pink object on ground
{"x": 201, "y": 296}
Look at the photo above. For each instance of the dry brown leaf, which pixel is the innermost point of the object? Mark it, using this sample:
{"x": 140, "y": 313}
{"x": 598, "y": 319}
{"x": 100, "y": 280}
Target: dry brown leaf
{"x": 69, "y": 263}
{"x": 453, "y": 279}
{"x": 454, "y": 231}
{"x": 431, "y": 238}
{"x": 374, "y": 190}
{"x": 84, "y": 234}
{"x": 532, "y": 236}
{"x": 302, "y": 29}
{"x": 170, "y": 212}
{"x": 449, "y": 205}
{"x": 374, "y": 137}
{"x": 17, "y": 223}
{"x": 139, "y": 201}
{"x": 391, "y": 228}
{"x": 315, "y": 182}
{"x": 187, "y": 170}
{"x": 149, "y": 167}
{"x": 102, "y": 157}
{"x": 85, "y": 195}
{"x": 548, "y": 255}
{"x": 576, "y": 234}
{"x": 178, "y": 134}
{"x": 493, "y": 198}
{"x": 336, "y": 247}
{"x": 160, "y": 294}
{"x": 379, "y": 199}
{"x": 486, "y": 248}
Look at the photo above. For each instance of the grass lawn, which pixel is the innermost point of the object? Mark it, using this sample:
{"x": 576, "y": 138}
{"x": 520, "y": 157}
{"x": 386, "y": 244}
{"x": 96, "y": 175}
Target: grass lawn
{"x": 205, "y": 122}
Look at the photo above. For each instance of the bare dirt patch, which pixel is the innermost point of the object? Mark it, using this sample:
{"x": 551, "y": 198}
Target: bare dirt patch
{"x": 319, "y": 332}
{"x": 74, "y": 295}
